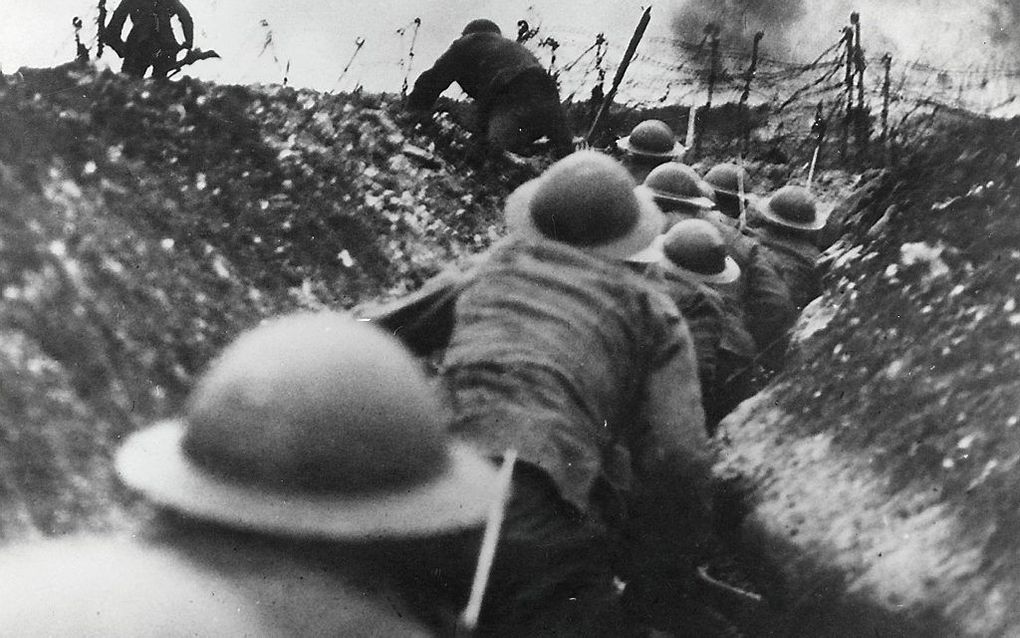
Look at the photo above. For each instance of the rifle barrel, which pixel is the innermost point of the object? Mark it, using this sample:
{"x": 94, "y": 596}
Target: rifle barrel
{"x": 639, "y": 32}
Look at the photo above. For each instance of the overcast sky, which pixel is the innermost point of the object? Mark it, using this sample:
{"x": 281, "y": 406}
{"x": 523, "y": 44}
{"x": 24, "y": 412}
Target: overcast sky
{"x": 317, "y": 37}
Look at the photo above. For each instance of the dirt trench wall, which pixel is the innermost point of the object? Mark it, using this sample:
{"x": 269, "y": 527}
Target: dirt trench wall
{"x": 143, "y": 225}
{"x": 883, "y": 461}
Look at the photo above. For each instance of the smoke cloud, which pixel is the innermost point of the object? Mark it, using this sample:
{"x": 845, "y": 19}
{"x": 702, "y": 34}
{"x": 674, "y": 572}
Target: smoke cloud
{"x": 1004, "y": 24}
{"x": 739, "y": 20}
{"x": 945, "y": 32}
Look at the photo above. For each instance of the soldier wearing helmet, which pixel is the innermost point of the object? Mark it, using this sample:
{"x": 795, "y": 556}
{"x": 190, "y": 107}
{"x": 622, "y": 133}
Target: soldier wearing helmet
{"x": 730, "y": 183}
{"x": 789, "y": 222}
{"x": 696, "y": 262}
{"x": 518, "y": 102}
{"x": 151, "y": 41}
{"x": 649, "y": 144}
{"x": 679, "y": 191}
{"x": 556, "y": 347}
{"x": 308, "y": 488}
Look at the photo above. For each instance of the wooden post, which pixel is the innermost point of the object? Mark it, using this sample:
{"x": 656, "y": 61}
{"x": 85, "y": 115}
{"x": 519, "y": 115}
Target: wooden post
{"x": 860, "y": 122}
{"x": 859, "y": 63}
{"x": 752, "y": 68}
{"x": 818, "y": 128}
{"x": 639, "y": 32}
{"x": 746, "y": 94}
{"x": 100, "y": 29}
{"x": 358, "y": 43}
{"x": 848, "y": 38}
{"x": 410, "y": 57}
{"x": 887, "y": 63}
{"x": 713, "y": 40}
{"x": 692, "y": 117}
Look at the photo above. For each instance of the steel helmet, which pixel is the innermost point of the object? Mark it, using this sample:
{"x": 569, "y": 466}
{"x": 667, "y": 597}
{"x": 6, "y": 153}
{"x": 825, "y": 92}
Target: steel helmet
{"x": 588, "y": 200}
{"x": 695, "y": 248}
{"x": 673, "y": 183}
{"x": 726, "y": 179}
{"x": 313, "y": 425}
{"x": 653, "y": 139}
{"x": 793, "y": 207}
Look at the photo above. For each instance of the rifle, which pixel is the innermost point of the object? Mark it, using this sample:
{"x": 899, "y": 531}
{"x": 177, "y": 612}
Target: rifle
{"x": 192, "y": 56}
{"x": 627, "y": 57}
{"x": 468, "y": 620}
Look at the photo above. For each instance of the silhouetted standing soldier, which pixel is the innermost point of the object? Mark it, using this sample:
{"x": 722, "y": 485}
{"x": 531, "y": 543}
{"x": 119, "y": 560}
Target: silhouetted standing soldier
{"x": 518, "y": 102}
{"x": 151, "y": 41}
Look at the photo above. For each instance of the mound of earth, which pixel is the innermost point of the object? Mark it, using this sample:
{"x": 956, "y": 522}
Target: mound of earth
{"x": 145, "y": 224}
{"x": 882, "y": 463}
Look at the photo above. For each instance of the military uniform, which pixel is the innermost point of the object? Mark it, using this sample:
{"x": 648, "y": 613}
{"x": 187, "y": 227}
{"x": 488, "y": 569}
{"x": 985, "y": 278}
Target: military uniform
{"x": 550, "y": 356}
{"x": 762, "y": 294}
{"x": 310, "y": 489}
{"x": 518, "y": 102}
{"x": 795, "y": 261}
{"x": 151, "y": 41}
{"x": 207, "y": 586}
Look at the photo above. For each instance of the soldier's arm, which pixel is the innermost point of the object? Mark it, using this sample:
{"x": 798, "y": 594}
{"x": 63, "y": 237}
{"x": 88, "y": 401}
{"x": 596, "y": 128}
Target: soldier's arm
{"x": 704, "y": 319}
{"x": 112, "y": 32}
{"x": 187, "y": 24}
{"x": 436, "y": 80}
{"x": 770, "y": 308}
{"x": 673, "y": 458}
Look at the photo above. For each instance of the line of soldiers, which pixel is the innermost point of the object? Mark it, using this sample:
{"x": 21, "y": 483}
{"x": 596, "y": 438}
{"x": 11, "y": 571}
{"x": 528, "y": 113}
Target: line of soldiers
{"x": 739, "y": 267}
{"x": 320, "y": 483}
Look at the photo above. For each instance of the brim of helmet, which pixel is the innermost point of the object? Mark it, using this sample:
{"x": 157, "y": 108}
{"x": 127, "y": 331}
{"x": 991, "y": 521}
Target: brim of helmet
{"x": 153, "y": 462}
{"x": 725, "y": 191}
{"x": 627, "y": 248}
{"x": 767, "y": 212}
{"x": 696, "y": 202}
{"x": 624, "y": 145}
{"x": 729, "y": 273}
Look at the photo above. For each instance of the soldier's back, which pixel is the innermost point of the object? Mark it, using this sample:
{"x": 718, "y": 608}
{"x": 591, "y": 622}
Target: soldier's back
{"x": 93, "y": 587}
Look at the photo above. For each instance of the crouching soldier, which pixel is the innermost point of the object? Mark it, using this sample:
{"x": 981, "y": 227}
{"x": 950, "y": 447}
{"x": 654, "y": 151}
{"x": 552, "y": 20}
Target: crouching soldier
{"x": 310, "y": 489}
{"x": 650, "y": 144}
{"x": 696, "y": 262}
{"x": 789, "y": 222}
{"x": 730, "y": 184}
{"x": 518, "y": 102}
{"x": 561, "y": 352}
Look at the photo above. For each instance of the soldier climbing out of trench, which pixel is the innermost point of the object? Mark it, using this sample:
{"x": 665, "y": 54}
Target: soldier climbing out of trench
{"x": 151, "y": 41}
{"x": 518, "y": 101}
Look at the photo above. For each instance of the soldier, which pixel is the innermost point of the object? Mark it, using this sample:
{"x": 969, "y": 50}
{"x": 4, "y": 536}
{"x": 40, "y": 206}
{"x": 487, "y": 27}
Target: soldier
{"x": 559, "y": 351}
{"x": 789, "y": 223}
{"x": 518, "y": 102}
{"x": 678, "y": 190}
{"x": 761, "y": 292}
{"x": 151, "y": 41}
{"x": 729, "y": 182}
{"x": 309, "y": 490}
{"x": 649, "y": 144}
{"x": 696, "y": 259}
